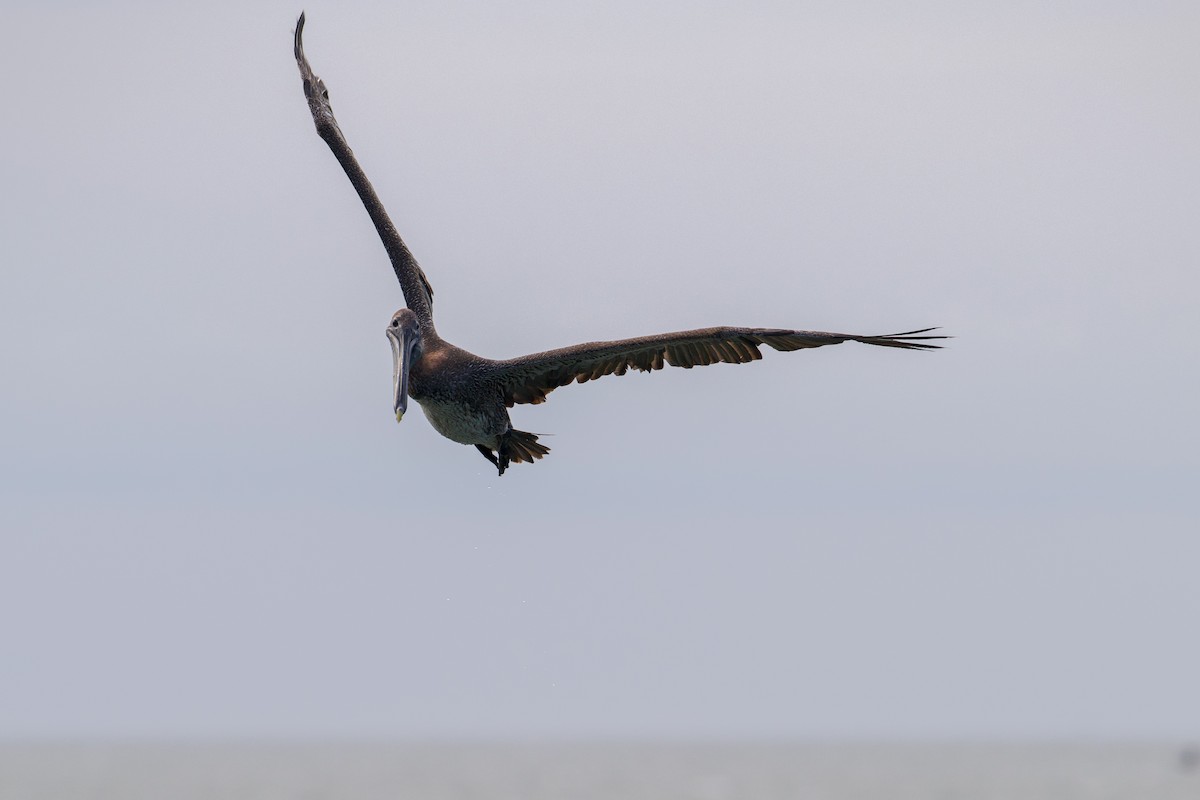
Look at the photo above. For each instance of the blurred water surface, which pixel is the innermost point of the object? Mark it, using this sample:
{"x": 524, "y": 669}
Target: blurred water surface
{"x": 584, "y": 770}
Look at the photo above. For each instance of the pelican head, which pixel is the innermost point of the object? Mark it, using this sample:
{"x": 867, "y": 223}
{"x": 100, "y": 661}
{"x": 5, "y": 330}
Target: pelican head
{"x": 404, "y": 334}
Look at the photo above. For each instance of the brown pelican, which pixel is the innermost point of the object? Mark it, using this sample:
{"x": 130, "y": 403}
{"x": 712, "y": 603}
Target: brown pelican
{"x": 466, "y": 397}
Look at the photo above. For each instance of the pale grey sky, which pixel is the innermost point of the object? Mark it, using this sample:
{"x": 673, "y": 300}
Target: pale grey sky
{"x": 212, "y": 524}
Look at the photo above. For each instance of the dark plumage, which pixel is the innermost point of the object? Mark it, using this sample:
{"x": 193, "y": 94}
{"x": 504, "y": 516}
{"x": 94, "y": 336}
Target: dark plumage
{"x": 466, "y": 397}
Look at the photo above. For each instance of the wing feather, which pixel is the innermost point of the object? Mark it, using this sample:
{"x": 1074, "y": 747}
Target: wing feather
{"x": 418, "y": 294}
{"x": 528, "y": 379}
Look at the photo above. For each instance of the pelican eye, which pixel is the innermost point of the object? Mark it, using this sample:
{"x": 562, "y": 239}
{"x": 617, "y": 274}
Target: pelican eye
{"x": 395, "y": 323}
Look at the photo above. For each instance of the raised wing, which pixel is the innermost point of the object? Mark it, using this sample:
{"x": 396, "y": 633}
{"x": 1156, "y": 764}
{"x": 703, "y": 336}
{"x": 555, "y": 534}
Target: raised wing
{"x": 529, "y": 379}
{"x": 418, "y": 295}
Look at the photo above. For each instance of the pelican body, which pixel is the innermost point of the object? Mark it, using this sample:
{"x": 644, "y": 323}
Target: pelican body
{"x": 466, "y": 397}
{"x": 461, "y": 393}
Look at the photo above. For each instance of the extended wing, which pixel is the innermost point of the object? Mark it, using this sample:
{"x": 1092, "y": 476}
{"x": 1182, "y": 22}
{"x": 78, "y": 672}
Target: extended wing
{"x": 529, "y": 379}
{"x": 418, "y": 295}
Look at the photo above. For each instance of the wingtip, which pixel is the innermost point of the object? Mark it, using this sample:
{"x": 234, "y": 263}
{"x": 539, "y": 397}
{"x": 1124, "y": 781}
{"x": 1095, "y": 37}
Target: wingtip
{"x": 922, "y": 330}
{"x": 298, "y": 39}
{"x": 910, "y": 340}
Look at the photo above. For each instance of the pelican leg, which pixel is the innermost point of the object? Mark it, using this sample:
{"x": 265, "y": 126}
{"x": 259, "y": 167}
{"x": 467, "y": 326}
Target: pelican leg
{"x": 488, "y": 455}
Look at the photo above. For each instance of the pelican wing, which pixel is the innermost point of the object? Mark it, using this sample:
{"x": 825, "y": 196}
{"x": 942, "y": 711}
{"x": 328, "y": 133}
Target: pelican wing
{"x": 418, "y": 295}
{"x": 529, "y": 379}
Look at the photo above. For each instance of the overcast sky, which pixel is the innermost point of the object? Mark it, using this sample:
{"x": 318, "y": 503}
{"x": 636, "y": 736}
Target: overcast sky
{"x": 213, "y": 526}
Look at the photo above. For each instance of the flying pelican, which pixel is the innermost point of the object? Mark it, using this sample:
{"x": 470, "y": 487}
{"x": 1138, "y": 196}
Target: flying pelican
{"x": 466, "y": 397}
